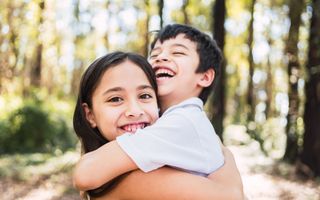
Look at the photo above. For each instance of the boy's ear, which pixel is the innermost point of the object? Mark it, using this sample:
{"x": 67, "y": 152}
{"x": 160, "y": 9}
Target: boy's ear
{"x": 89, "y": 115}
{"x": 206, "y": 78}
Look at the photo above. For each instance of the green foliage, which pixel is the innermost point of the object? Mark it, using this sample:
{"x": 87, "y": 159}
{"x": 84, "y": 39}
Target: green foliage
{"x": 33, "y": 127}
{"x": 27, "y": 167}
{"x": 270, "y": 135}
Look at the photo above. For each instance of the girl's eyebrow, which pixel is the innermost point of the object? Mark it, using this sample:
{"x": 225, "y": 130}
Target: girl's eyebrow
{"x": 142, "y": 87}
{"x": 115, "y": 89}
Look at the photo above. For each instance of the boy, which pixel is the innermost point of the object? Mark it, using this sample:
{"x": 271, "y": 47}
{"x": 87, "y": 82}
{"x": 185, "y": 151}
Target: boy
{"x": 185, "y": 61}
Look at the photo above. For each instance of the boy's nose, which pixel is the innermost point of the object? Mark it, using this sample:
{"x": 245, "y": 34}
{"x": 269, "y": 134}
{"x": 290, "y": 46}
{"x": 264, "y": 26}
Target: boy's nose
{"x": 162, "y": 57}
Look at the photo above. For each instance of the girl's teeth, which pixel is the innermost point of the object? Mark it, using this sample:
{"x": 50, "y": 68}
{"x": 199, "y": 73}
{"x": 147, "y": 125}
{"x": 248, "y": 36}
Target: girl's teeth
{"x": 133, "y": 127}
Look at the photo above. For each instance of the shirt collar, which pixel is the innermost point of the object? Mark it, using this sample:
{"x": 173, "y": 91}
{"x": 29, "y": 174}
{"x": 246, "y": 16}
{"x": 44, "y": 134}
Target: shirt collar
{"x": 193, "y": 101}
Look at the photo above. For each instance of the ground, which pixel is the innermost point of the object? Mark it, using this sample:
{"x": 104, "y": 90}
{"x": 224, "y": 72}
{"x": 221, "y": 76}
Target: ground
{"x": 268, "y": 179}
{"x": 41, "y": 178}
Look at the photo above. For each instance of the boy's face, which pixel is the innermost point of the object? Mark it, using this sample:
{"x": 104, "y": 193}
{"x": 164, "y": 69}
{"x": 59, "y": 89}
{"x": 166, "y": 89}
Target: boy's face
{"x": 175, "y": 62}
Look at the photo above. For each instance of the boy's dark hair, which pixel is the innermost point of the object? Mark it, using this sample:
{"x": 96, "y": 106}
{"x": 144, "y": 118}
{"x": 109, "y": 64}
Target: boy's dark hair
{"x": 91, "y": 139}
{"x": 210, "y": 55}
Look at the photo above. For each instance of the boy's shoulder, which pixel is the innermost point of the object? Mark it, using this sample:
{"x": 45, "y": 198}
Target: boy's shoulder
{"x": 189, "y": 111}
{"x": 193, "y": 104}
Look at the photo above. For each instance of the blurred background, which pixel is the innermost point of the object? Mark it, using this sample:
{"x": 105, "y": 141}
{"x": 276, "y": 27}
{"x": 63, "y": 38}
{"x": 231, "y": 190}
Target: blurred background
{"x": 265, "y": 107}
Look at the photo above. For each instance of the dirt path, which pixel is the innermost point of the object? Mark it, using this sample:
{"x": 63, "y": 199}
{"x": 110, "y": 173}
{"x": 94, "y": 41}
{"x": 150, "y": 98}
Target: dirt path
{"x": 266, "y": 179}
{"x": 263, "y": 179}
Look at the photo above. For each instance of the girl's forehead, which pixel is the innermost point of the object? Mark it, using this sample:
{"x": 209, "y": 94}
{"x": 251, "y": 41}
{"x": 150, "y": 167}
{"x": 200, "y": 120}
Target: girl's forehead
{"x": 125, "y": 74}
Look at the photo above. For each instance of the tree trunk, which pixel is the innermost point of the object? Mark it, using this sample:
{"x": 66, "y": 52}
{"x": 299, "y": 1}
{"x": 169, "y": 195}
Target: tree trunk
{"x": 106, "y": 35}
{"x": 311, "y": 146}
{"x": 269, "y": 86}
{"x": 160, "y": 7}
{"x": 250, "y": 95}
{"x": 36, "y": 68}
{"x": 295, "y": 10}
{"x": 78, "y": 62}
{"x": 217, "y": 102}
{"x": 184, "y": 11}
{"x": 146, "y": 29}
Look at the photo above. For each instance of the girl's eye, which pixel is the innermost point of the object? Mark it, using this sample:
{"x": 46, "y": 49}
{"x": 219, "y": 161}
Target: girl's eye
{"x": 146, "y": 96}
{"x": 114, "y": 99}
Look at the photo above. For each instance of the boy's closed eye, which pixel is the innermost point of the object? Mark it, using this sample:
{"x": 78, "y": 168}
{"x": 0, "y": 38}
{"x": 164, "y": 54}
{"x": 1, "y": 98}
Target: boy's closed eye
{"x": 178, "y": 53}
{"x": 153, "y": 56}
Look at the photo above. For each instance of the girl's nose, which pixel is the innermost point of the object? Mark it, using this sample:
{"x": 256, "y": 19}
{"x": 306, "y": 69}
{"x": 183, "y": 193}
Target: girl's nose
{"x": 134, "y": 110}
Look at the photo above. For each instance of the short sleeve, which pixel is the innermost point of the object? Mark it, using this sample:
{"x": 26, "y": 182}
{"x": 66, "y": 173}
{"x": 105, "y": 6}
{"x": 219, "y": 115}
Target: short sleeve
{"x": 172, "y": 140}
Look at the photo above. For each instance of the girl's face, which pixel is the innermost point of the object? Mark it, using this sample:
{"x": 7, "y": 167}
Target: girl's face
{"x": 124, "y": 101}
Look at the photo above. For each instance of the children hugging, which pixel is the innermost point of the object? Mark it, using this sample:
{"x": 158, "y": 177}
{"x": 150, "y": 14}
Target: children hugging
{"x": 133, "y": 151}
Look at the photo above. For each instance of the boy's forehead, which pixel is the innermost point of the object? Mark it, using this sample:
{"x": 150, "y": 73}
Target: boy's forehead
{"x": 179, "y": 40}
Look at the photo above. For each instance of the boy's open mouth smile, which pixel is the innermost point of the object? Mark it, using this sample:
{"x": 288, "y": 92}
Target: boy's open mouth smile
{"x": 132, "y": 128}
{"x": 163, "y": 73}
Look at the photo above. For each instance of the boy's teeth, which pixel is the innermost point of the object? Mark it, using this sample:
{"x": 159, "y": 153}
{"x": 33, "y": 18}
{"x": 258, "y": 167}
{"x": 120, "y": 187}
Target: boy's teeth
{"x": 164, "y": 73}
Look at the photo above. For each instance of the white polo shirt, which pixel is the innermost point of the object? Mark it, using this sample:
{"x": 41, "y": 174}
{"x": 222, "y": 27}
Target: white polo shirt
{"x": 182, "y": 137}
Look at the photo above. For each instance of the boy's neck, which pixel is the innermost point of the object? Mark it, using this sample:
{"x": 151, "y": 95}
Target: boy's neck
{"x": 172, "y": 99}
{"x": 166, "y": 103}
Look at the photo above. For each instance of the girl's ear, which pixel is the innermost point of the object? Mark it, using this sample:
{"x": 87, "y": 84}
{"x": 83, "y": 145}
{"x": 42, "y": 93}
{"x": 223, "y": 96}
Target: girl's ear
{"x": 89, "y": 115}
{"x": 206, "y": 78}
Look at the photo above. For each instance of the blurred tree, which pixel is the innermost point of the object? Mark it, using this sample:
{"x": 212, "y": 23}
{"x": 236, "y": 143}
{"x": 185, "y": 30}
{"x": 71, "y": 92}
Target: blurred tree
{"x": 217, "y": 104}
{"x": 251, "y": 96}
{"x": 193, "y": 12}
{"x": 160, "y": 11}
{"x": 185, "y": 12}
{"x": 138, "y": 37}
{"x": 11, "y": 17}
{"x": 106, "y": 36}
{"x": 146, "y": 28}
{"x": 295, "y": 11}
{"x": 36, "y": 67}
{"x": 311, "y": 146}
{"x": 269, "y": 84}
{"x": 79, "y": 39}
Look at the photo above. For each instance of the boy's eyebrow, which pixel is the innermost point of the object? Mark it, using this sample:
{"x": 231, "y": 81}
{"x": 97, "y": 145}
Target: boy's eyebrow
{"x": 155, "y": 49}
{"x": 179, "y": 45}
{"x": 173, "y": 45}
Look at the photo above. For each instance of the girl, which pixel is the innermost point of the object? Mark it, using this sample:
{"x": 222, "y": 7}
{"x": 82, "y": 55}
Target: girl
{"x": 108, "y": 106}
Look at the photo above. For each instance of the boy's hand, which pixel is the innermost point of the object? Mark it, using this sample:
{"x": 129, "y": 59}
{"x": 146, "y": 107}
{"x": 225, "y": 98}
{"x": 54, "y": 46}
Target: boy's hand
{"x": 100, "y": 166}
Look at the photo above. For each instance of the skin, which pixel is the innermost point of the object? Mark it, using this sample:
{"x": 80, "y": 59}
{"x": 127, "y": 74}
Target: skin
{"x": 171, "y": 184}
{"x": 170, "y": 57}
{"x": 175, "y": 56}
{"x": 119, "y": 107}
{"x": 178, "y": 56}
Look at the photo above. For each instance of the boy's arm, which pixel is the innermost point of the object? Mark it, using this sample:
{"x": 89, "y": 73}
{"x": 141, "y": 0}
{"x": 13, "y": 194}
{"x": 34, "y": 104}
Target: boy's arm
{"x": 100, "y": 166}
{"x": 229, "y": 175}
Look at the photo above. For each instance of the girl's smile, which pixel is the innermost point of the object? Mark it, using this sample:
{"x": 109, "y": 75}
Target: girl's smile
{"x": 120, "y": 105}
{"x": 133, "y": 127}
